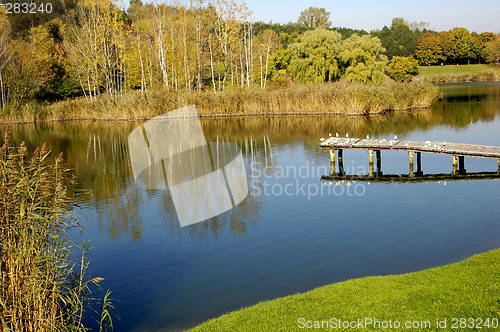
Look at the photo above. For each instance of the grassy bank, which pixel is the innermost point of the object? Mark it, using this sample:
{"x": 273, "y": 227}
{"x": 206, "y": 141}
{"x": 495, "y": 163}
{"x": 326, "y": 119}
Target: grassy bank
{"x": 468, "y": 289}
{"x": 332, "y": 98}
{"x": 458, "y": 73}
{"x": 41, "y": 288}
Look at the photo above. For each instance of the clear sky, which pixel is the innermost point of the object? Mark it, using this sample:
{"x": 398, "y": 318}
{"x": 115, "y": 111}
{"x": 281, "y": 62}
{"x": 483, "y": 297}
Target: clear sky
{"x": 476, "y": 15}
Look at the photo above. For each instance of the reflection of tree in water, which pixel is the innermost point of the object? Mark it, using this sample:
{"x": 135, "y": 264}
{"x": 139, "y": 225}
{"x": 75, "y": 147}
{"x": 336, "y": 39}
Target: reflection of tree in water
{"x": 109, "y": 189}
{"x": 237, "y": 220}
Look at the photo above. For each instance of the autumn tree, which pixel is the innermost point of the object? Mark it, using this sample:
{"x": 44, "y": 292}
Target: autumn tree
{"x": 429, "y": 49}
{"x": 447, "y": 44}
{"x": 492, "y": 50}
{"x": 313, "y": 17}
{"x": 363, "y": 59}
{"x": 5, "y": 56}
{"x": 95, "y": 46}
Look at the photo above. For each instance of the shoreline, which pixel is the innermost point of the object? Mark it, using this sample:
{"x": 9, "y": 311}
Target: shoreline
{"x": 214, "y": 116}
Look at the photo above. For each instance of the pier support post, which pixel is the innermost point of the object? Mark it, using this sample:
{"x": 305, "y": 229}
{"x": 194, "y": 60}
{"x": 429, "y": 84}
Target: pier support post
{"x": 370, "y": 157}
{"x": 332, "y": 169}
{"x": 341, "y": 164}
{"x": 341, "y": 153}
{"x": 461, "y": 165}
{"x": 498, "y": 165}
{"x": 371, "y": 170}
{"x": 332, "y": 156}
{"x": 379, "y": 162}
{"x": 455, "y": 164}
{"x": 419, "y": 162}
{"x": 410, "y": 154}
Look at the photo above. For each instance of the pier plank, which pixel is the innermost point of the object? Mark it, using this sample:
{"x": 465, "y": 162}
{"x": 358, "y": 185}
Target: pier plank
{"x": 458, "y": 149}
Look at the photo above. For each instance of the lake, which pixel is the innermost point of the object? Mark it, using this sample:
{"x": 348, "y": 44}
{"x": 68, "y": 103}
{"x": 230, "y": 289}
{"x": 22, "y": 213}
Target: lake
{"x": 292, "y": 232}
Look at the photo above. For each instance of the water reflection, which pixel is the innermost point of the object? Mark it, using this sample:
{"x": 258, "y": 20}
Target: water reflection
{"x": 204, "y": 180}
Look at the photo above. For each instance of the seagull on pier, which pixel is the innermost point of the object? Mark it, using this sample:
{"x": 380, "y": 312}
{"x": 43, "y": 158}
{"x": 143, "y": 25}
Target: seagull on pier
{"x": 330, "y": 134}
{"x": 444, "y": 143}
{"x": 367, "y": 136}
{"x": 337, "y": 134}
{"x": 395, "y": 137}
{"x": 322, "y": 139}
{"x": 347, "y": 135}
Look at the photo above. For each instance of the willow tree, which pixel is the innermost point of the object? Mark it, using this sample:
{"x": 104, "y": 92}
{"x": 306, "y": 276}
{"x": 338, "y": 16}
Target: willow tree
{"x": 363, "y": 59}
{"x": 315, "y": 57}
{"x": 313, "y": 17}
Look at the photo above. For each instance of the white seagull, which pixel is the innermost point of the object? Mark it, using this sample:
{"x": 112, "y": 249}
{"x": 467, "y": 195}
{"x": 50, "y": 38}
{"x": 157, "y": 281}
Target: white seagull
{"x": 395, "y": 137}
{"x": 321, "y": 139}
{"x": 347, "y": 135}
{"x": 367, "y": 136}
{"x": 330, "y": 134}
{"x": 337, "y": 134}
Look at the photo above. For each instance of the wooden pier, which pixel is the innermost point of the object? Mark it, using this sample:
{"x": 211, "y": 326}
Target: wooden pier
{"x": 457, "y": 151}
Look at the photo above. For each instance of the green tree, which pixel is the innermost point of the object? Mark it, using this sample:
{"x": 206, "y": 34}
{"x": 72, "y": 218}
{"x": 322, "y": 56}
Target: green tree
{"x": 314, "y": 17}
{"x": 399, "y": 39}
{"x": 447, "y": 44}
{"x": 402, "y": 68}
{"x": 315, "y": 57}
{"x": 363, "y": 59}
{"x": 429, "y": 49}
{"x": 467, "y": 48}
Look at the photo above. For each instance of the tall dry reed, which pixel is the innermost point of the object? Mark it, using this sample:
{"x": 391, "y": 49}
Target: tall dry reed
{"x": 329, "y": 98}
{"x": 41, "y": 289}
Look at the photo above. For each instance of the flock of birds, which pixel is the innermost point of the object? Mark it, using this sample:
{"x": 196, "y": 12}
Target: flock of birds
{"x": 347, "y": 136}
{"x": 428, "y": 144}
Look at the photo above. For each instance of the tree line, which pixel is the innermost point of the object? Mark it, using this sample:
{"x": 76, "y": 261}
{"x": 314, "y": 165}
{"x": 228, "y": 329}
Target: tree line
{"x": 100, "y": 48}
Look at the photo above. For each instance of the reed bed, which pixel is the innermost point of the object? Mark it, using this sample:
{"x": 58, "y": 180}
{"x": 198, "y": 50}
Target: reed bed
{"x": 341, "y": 98}
{"x": 41, "y": 288}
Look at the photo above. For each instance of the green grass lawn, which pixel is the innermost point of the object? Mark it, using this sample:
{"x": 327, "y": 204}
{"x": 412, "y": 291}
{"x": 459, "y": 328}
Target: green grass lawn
{"x": 466, "y": 290}
{"x": 452, "y": 69}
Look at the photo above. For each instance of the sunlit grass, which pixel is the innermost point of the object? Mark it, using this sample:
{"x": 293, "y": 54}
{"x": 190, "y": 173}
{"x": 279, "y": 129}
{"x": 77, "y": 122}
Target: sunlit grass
{"x": 458, "y": 73}
{"x": 453, "y": 69}
{"x": 468, "y": 289}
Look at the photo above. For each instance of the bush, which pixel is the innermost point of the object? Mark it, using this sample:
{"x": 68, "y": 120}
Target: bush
{"x": 402, "y": 68}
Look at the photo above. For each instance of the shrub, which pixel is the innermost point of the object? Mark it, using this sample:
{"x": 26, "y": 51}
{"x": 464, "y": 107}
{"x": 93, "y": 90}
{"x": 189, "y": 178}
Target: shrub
{"x": 402, "y": 68}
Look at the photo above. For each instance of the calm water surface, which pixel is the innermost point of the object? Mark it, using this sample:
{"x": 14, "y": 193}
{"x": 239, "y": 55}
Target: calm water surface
{"x": 276, "y": 243}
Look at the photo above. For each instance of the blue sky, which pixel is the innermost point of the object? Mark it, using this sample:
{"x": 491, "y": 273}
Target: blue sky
{"x": 477, "y": 15}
